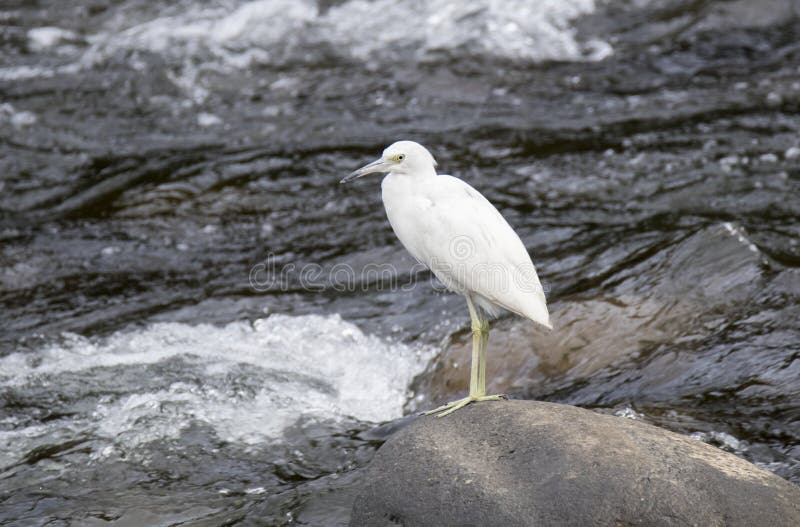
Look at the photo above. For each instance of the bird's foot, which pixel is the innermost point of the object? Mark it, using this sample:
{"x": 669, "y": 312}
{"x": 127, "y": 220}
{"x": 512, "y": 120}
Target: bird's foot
{"x": 451, "y": 407}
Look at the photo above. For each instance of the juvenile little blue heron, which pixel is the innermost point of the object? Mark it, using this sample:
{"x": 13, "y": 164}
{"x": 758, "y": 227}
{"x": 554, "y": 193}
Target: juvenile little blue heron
{"x": 450, "y": 227}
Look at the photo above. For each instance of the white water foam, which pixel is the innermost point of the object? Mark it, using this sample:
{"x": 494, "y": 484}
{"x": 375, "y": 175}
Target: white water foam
{"x": 231, "y": 34}
{"x": 42, "y": 38}
{"x": 17, "y": 119}
{"x": 263, "y": 30}
{"x": 249, "y": 381}
{"x": 723, "y": 440}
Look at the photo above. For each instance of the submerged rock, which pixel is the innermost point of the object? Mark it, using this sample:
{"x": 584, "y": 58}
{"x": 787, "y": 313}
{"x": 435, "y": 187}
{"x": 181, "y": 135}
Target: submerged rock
{"x": 531, "y": 463}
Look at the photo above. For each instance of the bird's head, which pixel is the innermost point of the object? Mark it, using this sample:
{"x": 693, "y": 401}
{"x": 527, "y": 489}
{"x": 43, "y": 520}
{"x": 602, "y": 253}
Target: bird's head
{"x": 402, "y": 157}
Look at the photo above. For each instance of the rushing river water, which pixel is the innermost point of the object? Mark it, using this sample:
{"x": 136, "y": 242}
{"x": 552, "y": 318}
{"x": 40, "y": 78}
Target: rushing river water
{"x": 178, "y": 345}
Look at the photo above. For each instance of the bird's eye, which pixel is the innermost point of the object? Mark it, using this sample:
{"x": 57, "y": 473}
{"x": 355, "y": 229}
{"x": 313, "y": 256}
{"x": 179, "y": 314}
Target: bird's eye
{"x": 400, "y": 157}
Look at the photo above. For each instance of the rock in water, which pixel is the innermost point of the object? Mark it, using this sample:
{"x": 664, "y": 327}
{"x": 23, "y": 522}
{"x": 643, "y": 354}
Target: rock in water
{"x": 531, "y": 463}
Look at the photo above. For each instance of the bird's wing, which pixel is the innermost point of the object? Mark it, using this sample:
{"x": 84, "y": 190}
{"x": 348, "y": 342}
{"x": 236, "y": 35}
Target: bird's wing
{"x": 468, "y": 244}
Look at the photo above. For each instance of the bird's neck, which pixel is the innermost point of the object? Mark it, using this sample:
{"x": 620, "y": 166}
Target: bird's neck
{"x": 415, "y": 173}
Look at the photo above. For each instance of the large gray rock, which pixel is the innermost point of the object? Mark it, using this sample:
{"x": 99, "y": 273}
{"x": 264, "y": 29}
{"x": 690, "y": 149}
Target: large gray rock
{"x": 530, "y": 463}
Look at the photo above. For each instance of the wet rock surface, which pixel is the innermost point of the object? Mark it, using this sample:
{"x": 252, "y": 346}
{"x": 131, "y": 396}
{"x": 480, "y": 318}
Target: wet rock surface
{"x": 524, "y": 463}
{"x": 690, "y": 287}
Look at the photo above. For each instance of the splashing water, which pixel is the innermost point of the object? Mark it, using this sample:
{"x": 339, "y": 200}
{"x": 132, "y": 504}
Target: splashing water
{"x": 247, "y": 381}
{"x": 230, "y": 35}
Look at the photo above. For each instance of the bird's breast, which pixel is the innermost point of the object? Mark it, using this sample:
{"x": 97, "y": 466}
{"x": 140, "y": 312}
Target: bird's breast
{"x": 407, "y": 210}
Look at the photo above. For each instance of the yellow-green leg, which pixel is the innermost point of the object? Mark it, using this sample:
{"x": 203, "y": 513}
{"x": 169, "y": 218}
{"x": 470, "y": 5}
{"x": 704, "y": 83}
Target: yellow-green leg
{"x": 477, "y": 377}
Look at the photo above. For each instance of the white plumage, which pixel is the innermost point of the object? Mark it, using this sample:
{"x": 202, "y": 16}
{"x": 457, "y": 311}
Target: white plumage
{"x": 455, "y": 231}
{"x": 465, "y": 241}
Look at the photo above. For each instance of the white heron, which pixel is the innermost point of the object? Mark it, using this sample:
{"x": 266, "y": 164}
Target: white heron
{"x": 450, "y": 227}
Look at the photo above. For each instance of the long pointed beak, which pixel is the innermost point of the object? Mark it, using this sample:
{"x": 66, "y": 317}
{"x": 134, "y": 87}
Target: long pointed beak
{"x": 379, "y": 165}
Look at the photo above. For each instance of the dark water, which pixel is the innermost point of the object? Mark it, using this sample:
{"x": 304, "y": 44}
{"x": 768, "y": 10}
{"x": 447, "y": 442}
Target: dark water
{"x": 153, "y": 156}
